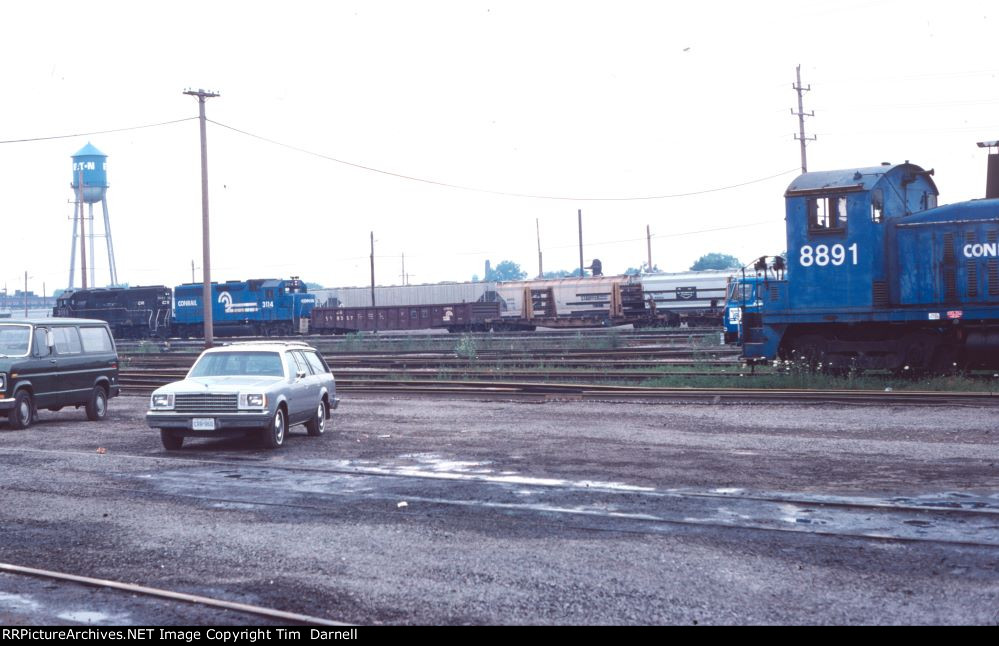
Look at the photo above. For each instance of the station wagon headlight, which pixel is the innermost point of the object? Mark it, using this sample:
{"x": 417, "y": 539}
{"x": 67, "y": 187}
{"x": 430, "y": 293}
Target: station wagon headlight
{"x": 162, "y": 402}
{"x": 252, "y": 400}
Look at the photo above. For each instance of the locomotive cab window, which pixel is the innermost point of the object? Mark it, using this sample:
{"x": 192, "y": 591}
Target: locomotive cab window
{"x": 827, "y": 214}
{"x": 877, "y": 205}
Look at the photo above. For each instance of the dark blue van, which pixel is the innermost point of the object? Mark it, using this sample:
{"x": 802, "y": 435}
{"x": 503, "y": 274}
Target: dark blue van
{"x": 53, "y": 363}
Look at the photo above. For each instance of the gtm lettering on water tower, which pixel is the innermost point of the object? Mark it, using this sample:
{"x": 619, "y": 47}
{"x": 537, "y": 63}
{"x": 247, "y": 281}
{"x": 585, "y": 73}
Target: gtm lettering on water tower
{"x": 90, "y": 185}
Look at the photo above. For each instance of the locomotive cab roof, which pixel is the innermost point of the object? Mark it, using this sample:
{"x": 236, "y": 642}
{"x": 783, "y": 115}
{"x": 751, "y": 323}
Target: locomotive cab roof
{"x": 857, "y": 179}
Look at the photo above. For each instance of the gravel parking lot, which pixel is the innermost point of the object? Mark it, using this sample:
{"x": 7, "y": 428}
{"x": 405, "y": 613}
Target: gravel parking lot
{"x": 436, "y": 511}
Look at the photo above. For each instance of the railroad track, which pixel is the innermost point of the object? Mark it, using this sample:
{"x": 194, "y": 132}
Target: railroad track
{"x": 541, "y": 391}
{"x": 546, "y": 338}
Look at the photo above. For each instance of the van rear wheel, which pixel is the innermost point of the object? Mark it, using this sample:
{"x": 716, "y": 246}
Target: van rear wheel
{"x": 97, "y": 405}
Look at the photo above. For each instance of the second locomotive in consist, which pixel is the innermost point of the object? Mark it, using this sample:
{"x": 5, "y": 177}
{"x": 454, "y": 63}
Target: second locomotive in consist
{"x": 880, "y": 276}
{"x": 131, "y": 312}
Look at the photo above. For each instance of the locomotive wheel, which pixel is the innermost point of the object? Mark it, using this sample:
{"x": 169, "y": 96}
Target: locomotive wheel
{"x": 918, "y": 350}
{"x": 945, "y": 361}
{"x": 809, "y": 351}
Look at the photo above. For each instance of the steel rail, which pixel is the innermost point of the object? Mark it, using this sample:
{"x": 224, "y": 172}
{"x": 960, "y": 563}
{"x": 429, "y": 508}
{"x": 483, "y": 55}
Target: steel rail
{"x": 169, "y": 594}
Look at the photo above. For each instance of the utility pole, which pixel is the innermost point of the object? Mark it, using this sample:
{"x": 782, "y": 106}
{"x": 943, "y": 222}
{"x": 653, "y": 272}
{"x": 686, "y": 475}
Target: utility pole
{"x": 404, "y": 268}
{"x": 582, "y": 273}
{"x": 206, "y": 292}
{"x": 373, "y": 271}
{"x": 541, "y": 271}
{"x": 648, "y": 241}
{"x": 26, "y": 294}
{"x": 801, "y": 114}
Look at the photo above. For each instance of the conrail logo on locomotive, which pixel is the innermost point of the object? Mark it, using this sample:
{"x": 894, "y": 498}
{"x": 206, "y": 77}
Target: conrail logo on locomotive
{"x": 988, "y": 249}
{"x": 226, "y": 299}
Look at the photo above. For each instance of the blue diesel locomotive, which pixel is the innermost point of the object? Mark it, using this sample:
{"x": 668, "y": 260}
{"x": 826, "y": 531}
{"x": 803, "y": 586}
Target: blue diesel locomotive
{"x": 880, "y": 277}
{"x": 263, "y": 307}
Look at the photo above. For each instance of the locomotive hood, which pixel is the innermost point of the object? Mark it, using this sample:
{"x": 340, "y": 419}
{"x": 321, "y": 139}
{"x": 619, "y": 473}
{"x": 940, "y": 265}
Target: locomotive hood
{"x": 959, "y": 213}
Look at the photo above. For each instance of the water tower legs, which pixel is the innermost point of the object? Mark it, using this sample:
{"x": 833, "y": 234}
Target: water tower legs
{"x": 112, "y": 267}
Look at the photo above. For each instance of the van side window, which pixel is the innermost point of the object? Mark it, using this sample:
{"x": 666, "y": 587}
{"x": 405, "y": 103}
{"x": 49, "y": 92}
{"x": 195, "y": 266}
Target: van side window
{"x": 67, "y": 340}
{"x": 96, "y": 339}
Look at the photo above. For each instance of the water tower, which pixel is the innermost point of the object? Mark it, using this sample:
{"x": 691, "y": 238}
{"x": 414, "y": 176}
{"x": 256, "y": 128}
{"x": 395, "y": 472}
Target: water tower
{"x": 90, "y": 185}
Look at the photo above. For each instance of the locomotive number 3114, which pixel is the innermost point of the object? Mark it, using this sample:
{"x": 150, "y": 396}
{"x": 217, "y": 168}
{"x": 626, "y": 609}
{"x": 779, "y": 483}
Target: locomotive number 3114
{"x": 822, "y": 255}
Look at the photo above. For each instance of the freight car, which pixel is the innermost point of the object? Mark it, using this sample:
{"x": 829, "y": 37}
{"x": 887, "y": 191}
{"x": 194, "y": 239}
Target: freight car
{"x": 880, "y": 276}
{"x": 131, "y": 312}
{"x": 455, "y": 317}
{"x": 664, "y": 299}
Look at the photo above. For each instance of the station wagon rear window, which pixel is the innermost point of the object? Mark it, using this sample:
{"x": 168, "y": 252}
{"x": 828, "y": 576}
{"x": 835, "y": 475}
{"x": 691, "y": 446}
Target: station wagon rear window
{"x": 317, "y": 364}
{"x": 14, "y": 340}
{"x": 221, "y": 364}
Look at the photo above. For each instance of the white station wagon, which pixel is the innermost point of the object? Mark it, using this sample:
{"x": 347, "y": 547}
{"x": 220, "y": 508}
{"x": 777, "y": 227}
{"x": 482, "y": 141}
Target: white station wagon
{"x": 259, "y": 387}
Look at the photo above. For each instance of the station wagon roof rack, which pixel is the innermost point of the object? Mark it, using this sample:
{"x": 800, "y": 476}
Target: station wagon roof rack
{"x": 285, "y": 343}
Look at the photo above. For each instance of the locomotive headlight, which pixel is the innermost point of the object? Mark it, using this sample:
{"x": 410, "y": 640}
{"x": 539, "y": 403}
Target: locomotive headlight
{"x": 161, "y": 401}
{"x": 252, "y": 400}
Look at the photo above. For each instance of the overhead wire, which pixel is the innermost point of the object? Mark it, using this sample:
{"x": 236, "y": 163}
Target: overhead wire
{"x": 96, "y": 132}
{"x": 495, "y": 192}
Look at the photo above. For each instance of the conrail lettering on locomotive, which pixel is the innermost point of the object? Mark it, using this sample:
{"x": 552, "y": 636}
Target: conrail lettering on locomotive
{"x": 987, "y": 249}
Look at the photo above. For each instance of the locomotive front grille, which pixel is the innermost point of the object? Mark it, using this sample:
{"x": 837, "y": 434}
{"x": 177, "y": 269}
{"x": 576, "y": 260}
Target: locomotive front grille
{"x": 206, "y": 403}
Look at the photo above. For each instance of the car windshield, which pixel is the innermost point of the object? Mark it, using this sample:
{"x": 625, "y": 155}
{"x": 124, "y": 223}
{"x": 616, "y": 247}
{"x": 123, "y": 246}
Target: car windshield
{"x": 223, "y": 364}
{"x": 14, "y": 340}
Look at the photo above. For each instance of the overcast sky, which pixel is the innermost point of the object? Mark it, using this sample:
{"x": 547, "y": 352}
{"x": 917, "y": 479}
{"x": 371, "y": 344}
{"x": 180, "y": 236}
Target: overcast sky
{"x": 582, "y": 105}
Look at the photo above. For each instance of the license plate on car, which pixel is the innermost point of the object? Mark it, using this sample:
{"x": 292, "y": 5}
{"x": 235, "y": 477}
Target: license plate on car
{"x": 203, "y": 424}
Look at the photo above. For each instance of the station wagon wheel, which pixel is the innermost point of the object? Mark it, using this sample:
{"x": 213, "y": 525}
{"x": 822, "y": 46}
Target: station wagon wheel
{"x": 274, "y": 436}
{"x": 97, "y": 405}
{"x": 20, "y": 416}
{"x": 317, "y": 425}
{"x": 171, "y": 441}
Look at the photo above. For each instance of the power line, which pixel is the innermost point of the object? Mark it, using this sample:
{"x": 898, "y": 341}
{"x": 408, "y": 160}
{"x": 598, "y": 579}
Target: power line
{"x": 96, "y": 132}
{"x": 493, "y": 192}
